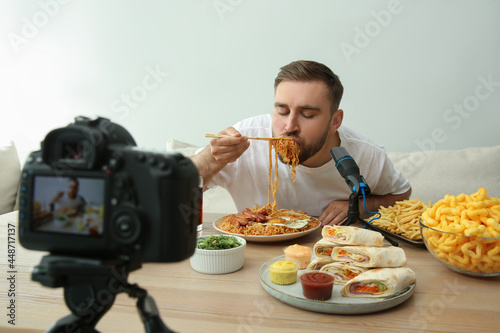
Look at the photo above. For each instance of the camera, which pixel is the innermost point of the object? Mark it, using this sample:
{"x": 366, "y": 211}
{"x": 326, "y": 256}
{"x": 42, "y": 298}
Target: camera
{"x": 90, "y": 192}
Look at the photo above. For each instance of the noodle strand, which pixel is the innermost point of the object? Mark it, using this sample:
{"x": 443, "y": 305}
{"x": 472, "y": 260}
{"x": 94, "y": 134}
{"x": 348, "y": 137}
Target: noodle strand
{"x": 289, "y": 152}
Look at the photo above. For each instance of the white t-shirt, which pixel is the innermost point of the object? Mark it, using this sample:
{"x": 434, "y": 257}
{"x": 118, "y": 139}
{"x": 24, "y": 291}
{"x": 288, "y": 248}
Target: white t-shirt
{"x": 246, "y": 179}
{"x": 65, "y": 201}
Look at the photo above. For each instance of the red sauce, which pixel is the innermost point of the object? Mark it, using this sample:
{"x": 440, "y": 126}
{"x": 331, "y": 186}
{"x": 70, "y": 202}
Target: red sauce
{"x": 317, "y": 285}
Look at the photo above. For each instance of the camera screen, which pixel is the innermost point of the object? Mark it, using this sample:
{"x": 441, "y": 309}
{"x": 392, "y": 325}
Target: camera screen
{"x": 69, "y": 205}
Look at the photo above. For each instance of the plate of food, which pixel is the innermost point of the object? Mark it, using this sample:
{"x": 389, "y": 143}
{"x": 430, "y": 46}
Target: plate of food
{"x": 417, "y": 242}
{"x": 401, "y": 221}
{"x": 399, "y": 284}
{"x": 264, "y": 225}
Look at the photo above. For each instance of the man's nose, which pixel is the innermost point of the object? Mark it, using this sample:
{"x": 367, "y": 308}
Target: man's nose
{"x": 292, "y": 124}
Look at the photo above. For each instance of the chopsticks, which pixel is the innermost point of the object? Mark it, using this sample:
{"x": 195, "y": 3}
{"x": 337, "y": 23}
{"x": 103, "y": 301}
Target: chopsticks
{"x": 250, "y": 137}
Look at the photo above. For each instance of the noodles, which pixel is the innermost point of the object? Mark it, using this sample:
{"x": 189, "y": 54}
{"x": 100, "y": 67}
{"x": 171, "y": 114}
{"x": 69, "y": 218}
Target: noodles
{"x": 248, "y": 224}
{"x": 289, "y": 152}
{"x": 257, "y": 229}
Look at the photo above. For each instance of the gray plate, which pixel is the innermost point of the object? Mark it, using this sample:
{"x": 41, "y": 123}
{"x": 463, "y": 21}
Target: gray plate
{"x": 417, "y": 243}
{"x": 292, "y": 295}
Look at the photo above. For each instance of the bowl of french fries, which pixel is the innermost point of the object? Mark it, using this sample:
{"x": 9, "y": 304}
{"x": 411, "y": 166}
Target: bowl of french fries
{"x": 463, "y": 233}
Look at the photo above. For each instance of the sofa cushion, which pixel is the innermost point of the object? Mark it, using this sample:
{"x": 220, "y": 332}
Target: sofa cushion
{"x": 9, "y": 176}
{"x": 176, "y": 146}
{"x": 433, "y": 174}
{"x": 215, "y": 200}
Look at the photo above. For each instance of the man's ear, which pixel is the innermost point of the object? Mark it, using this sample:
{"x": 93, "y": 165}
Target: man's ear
{"x": 337, "y": 118}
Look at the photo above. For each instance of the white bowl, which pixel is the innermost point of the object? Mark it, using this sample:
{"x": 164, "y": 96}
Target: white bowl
{"x": 60, "y": 220}
{"x": 219, "y": 261}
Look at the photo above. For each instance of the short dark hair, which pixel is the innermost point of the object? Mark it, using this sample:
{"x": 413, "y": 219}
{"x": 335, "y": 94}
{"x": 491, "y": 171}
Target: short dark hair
{"x": 306, "y": 70}
{"x": 73, "y": 179}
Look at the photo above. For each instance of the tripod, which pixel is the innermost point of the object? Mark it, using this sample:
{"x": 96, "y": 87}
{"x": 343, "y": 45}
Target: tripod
{"x": 349, "y": 170}
{"x": 353, "y": 215}
{"x": 90, "y": 288}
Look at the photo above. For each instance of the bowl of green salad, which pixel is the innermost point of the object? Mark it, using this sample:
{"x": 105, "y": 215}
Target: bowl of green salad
{"x": 218, "y": 254}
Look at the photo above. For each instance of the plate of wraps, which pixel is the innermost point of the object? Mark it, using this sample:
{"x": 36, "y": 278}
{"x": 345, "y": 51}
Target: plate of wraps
{"x": 370, "y": 274}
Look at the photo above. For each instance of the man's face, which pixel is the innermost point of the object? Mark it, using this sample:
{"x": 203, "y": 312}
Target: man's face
{"x": 302, "y": 112}
{"x": 72, "y": 189}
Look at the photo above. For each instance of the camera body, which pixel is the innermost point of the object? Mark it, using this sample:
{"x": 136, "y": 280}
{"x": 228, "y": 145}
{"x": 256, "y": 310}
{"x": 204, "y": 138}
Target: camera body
{"x": 89, "y": 192}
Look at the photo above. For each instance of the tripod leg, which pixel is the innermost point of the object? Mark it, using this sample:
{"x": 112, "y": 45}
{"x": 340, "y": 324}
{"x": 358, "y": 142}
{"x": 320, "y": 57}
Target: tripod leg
{"x": 88, "y": 304}
{"x": 390, "y": 240}
{"x": 148, "y": 311}
{"x": 347, "y": 222}
{"x": 71, "y": 323}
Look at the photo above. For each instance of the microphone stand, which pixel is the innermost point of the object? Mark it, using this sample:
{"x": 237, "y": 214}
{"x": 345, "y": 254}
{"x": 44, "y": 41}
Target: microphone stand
{"x": 353, "y": 216}
{"x": 349, "y": 170}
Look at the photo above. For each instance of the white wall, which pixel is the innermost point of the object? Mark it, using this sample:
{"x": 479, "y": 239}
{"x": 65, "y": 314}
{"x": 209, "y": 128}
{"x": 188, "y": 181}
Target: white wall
{"x": 415, "y": 72}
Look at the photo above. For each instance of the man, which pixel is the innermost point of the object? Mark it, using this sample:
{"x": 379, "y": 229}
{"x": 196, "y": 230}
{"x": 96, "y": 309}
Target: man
{"x": 306, "y": 109}
{"x": 71, "y": 203}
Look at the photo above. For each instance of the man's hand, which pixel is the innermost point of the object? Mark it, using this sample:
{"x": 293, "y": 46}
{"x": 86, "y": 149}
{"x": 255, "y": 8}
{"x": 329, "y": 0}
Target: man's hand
{"x": 57, "y": 197}
{"x": 228, "y": 150}
{"x": 220, "y": 152}
{"x": 335, "y": 213}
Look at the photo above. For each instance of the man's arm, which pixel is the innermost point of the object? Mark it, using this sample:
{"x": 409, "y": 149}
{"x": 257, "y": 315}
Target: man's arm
{"x": 374, "y": 202}
{"x": 220, "y": 152}
{"x": 336, "y": 212}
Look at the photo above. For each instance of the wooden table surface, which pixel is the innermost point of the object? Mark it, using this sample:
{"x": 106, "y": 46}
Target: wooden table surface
{"x": 444, "y": 301}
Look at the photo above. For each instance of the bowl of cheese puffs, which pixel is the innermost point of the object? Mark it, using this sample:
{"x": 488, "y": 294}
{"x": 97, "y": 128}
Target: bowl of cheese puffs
{"x": 463, "y": 233}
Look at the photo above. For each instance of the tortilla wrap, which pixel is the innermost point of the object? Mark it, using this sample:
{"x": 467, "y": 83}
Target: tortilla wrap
{"x": 370, "y": 256}
{"x": 342, "y": 271}
{"x": 379, "y": 282}
{"x": 317, "y": 263}
{"x": 347, "y": 235}
{"x": 323, "y": 248}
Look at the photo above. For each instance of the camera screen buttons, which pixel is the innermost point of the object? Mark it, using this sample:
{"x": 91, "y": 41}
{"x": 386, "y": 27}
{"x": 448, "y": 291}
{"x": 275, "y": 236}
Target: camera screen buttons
{"x": 126, "y": 227}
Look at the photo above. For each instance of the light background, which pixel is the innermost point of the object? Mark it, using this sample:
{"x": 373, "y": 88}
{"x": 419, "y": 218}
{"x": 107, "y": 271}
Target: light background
{"x": 408, "y": 67}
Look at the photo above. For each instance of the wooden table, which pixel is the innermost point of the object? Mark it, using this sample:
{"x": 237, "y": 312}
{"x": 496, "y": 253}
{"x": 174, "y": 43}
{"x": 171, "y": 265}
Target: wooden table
{"x": 444, "y": 301}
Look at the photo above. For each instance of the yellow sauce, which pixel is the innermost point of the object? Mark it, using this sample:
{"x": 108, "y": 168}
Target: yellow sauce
{"x": 283, "y": 272}
{"x": 300, "y": 253}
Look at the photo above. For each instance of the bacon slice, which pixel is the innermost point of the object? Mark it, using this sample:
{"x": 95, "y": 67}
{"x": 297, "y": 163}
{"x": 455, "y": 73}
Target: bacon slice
{"x": 247, "y": 217}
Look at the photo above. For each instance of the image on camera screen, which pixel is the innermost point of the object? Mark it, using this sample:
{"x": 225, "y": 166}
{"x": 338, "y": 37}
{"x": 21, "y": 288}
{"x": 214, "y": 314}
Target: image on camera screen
{"x": 69, "y": 205}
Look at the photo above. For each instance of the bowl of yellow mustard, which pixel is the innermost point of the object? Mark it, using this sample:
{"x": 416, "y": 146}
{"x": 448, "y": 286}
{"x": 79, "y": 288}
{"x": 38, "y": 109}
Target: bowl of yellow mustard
{"x": 283, "y": 271}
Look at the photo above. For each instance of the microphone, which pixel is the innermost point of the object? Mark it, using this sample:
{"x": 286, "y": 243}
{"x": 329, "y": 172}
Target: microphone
{"x": 349, "y": 170}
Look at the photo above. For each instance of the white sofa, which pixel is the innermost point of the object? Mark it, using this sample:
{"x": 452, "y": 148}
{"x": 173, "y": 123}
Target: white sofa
{"x": 10, "y": 171}
{"x": 432, "y": 174}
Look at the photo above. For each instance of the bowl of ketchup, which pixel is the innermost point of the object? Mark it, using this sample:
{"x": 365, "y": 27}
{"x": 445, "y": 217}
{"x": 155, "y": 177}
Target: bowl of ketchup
{"x": 317, "y": 285}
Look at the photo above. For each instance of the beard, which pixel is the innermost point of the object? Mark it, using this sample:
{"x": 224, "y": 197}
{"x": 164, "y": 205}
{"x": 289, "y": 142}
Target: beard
{"x": 307, "y": 150}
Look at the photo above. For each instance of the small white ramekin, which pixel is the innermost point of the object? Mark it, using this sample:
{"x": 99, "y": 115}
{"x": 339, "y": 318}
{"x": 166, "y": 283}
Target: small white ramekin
{"x": 219, "y": 261}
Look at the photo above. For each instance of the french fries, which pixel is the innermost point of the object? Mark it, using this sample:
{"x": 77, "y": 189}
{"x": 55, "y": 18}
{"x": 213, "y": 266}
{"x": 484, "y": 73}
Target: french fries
{"x": 476, "y": 215}
{"x": 402, "y": 218}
